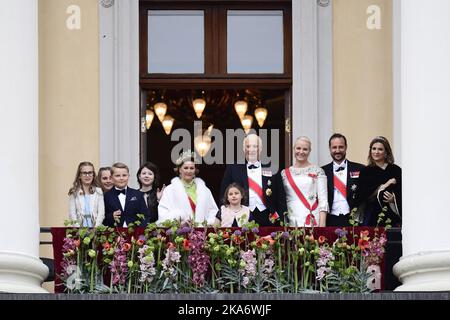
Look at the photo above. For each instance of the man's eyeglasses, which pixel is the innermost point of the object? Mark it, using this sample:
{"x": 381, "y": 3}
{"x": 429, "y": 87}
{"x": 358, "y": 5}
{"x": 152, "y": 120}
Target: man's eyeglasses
{"x": 87, "y": 173}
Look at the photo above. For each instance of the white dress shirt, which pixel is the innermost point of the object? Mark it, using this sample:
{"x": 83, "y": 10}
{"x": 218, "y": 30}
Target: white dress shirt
{"x": 340, "y": 204}
{"x": 122, "y": 197}
{"x": 254, "y": 200}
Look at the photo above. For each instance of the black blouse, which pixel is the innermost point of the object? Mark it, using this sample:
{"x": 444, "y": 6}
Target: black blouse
{"x": 371, "y": 177}
{"x": 152, "y": 203}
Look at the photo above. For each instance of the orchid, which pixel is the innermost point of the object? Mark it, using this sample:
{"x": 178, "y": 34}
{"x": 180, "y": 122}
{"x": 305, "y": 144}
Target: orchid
{"x": 184, "y": 259}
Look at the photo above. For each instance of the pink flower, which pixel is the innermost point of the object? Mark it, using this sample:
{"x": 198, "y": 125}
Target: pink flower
{"x": 126, "y": 247}
{"x": 322, "y": 240}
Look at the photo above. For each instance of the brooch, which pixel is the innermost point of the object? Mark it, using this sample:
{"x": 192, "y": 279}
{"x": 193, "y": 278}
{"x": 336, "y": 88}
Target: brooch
{"x": 268, "y": 192}
{"x": 353, "y": 187}
{"x": 312, "y": 175}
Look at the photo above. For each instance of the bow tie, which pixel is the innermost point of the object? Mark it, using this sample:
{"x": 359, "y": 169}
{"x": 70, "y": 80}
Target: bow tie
{"x": 340, "y": 169}
{"x": 120, "y": 191}
{"x": 252, "y": 166}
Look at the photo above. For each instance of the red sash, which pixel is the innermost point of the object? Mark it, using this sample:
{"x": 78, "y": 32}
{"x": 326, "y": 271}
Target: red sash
{"x": 257, "y": 189}
{"x": 192, "y": 203}
{"x": 338, "y": 184}
{"x": 303, "y": 199}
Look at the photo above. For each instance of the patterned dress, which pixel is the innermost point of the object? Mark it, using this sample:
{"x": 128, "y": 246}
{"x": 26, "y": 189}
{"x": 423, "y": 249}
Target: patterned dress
{"x": 311, "y": 184}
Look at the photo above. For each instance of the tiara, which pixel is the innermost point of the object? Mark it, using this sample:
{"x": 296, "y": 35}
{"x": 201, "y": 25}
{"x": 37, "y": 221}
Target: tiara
{"x": 186, "y": 155}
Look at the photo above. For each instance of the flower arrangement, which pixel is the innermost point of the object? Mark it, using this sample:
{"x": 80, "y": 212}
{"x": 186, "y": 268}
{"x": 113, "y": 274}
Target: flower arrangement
{"x": 185, "y": 258}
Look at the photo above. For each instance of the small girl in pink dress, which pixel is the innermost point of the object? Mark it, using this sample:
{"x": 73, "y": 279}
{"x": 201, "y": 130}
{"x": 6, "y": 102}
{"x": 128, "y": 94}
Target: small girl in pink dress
{"x": 233, "y": 213}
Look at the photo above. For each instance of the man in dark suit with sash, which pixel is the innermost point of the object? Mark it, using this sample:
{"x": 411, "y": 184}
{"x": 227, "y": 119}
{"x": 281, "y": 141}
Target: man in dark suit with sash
{"x": 264, "y": 193}
{"x": 342, "y": 178}
{"x": 122, "y": 203}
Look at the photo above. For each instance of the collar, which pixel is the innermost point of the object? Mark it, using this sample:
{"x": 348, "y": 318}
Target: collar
{"x": 188, "y": 184}
{"x": 343, "y": 165}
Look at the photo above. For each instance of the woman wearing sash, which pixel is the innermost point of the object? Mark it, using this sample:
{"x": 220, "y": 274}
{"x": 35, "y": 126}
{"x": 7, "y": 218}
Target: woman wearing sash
{"x": 306, "y": 189}
{"x": 187, "y": 198}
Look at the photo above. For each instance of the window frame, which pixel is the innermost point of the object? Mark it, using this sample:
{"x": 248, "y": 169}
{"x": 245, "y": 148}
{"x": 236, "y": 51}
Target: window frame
{"x": 215, "y": 13}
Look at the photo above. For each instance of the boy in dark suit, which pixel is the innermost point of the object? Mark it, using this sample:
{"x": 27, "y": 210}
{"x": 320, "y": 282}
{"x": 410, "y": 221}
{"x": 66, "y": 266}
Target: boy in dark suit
{"x": 264, "y": 193}
{"x": 342, "y": 177}
{"x": 123, "y": 204}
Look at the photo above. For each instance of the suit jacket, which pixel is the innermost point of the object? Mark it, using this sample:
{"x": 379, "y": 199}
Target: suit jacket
{"x": 352, "y": 182}
{"x": 237, "y": 173}
{"x": 134, "y": 205}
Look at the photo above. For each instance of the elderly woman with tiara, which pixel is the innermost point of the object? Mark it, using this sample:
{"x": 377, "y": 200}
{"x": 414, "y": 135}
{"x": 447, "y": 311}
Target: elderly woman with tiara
{"x": 187, "y": 198}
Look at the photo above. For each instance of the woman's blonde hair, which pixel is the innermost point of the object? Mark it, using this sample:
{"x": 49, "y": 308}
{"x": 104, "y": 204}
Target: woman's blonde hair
{"x": 304, "y": 138}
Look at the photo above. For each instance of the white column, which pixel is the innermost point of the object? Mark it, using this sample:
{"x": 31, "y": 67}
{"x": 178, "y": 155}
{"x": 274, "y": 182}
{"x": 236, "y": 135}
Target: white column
{"x": 312, "y": 67}
{"x": 119, "y": 84}
{"x": 20, "y": 268}
{"x": 425, "y": 98}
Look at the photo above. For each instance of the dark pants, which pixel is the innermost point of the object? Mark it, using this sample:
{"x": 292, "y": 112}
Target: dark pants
{"x": 262, "y": 218}
{"x": 338, "y": 221}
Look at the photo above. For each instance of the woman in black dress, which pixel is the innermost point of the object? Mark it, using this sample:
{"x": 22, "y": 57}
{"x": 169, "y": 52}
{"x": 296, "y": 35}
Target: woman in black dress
{"x": 380, "y": 185}
{"x": 148, "y": 179}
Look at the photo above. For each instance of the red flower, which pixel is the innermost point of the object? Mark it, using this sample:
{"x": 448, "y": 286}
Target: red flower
{"x": 186, "y": 245}
{"x": 76, "y": 242}
{"x": 226, "y": 235}
{"x": 322, "y": 240}
{"x": 363, "y": 244}
{"x": 237, "y": 239}
{"x": 106, "y": 245}
{"x": 140, "y": 242}
{"x": 126, "y": 247}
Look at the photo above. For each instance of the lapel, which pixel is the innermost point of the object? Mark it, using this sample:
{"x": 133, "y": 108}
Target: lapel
{"x": 129, "y": 195}
{"x": 329, "y": 172}
{"x": 350, "y": 168}
{"x": 79, "y": 201}
{"x": 116, "y": 201}
{"x": 93, "y": 199}
{"x": 265, "y": 179}
{"x": 242, "y": 172}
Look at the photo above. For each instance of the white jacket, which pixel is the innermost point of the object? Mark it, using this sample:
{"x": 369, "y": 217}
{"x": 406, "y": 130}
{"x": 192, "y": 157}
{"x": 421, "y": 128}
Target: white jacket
{"x": 174, "y": 203}
{"x": 96, "y": 205}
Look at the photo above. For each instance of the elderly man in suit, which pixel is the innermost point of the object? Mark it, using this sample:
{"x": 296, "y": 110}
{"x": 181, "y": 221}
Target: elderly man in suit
{"x": 264, "y": 193}
{"x": 122, "y": 203}
{"x": 342, "y": 178}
